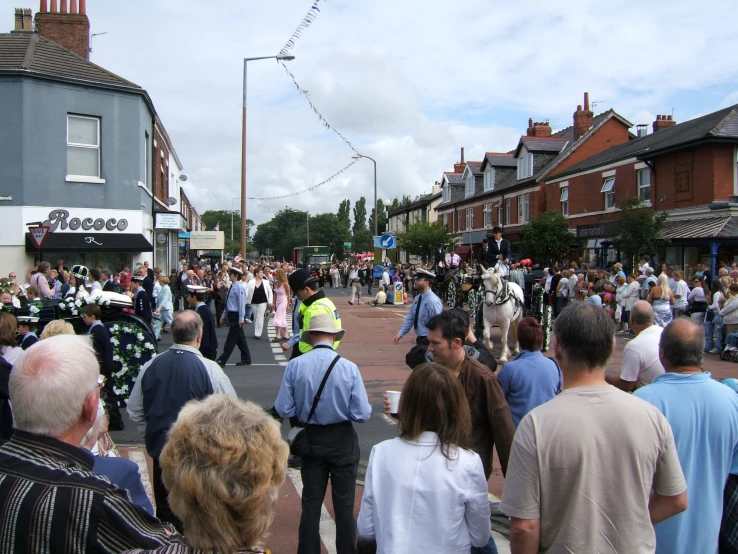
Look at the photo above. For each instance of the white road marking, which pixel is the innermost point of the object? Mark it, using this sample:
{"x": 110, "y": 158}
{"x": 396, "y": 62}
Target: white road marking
{"x": 327, "y": 525}
{"x": 388, "y": 420}
{"x": 139, "y": 458}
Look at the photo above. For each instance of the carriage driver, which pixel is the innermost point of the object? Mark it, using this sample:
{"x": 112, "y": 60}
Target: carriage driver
{"x": 496, "y": 250}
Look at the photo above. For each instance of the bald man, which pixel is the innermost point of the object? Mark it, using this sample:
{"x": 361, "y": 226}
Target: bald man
{"x": 641, "y": 364}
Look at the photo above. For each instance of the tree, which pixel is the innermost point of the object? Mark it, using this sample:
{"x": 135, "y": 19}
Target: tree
{"x": 546, "y": 238}
{"x": 362, "y": 237}
{"x": 360, "y": 214}
{"x": 211, "y": 218}
{"x": 344, "y": 213}
{"x": 639, "y": 229}
{"x": 406, "y": 201}
{"x": 327, "y": 230}
{"x": 422, "y": 238}
{"x": 395, "y": 204}
{"x": 382, "y": 223}
{"x": 282, "y": 233}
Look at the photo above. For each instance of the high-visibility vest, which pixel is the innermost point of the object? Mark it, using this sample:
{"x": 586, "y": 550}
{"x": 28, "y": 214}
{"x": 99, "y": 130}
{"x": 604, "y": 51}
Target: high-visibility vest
{"x": 305, "y": 313}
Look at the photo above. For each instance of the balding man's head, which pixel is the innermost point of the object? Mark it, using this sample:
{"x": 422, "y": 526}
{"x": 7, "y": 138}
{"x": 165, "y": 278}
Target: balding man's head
{"x": 682, "y": 344}
{"x": 186, "y": 327}
{"x": 641, "y": 316}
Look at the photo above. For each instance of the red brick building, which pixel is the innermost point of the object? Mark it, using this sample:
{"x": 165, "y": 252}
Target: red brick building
{"x": 689, "y": 170}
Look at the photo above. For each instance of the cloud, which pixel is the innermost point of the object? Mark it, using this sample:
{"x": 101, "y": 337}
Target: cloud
{"x": 407, "y": 82}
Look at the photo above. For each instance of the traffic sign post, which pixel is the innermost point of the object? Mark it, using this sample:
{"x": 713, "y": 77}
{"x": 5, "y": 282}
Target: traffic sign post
{"x": 398, "y": 293}
{"x": 38, "y": 236}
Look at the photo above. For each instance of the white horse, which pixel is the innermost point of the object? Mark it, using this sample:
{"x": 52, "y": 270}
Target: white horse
{"x": 503, "y": 306}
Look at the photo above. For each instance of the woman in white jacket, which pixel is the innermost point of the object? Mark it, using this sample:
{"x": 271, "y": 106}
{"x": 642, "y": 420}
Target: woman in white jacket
{"x": 259, "y": 295}
{"x": 630, "y": 295}
{"x": 423, "y": 493}
{"x": 729, "y": 310}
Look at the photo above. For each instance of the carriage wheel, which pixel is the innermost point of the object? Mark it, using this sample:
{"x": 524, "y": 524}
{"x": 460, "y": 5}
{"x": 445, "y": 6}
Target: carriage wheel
{"x": 451, "y": 294}
{"x": 735, "y": 357}
{"x": 473, "y": 302}
{"x": 726, "y": 354}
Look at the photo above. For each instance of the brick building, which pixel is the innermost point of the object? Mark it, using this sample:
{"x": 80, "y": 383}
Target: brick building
{"x": 689, "y": 170}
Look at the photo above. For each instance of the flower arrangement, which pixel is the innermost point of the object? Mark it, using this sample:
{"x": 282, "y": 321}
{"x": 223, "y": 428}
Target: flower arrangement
{"x": 75, "y": 305}
{"x": 131, "y": 350}
{"x": 35, "y": 306}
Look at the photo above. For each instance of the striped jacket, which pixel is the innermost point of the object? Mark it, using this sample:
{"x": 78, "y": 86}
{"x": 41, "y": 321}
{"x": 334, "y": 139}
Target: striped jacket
{"x": 51, "y": 501}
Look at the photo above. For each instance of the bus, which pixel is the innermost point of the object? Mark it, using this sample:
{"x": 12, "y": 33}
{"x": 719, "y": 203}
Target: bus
{"x": 311, "y": 255}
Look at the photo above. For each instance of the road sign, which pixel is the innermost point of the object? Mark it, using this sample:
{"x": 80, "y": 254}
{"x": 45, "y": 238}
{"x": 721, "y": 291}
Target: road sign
{"x": 39, "y": 234}
{"x": 398, "y": 293}
{"x": 385, "y": 241}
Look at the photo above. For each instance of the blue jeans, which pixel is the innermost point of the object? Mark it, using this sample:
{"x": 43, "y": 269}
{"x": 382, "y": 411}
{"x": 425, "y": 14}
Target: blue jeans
{"x": 491, "y": 548}
{"x": 249, "y": 311}
{"x": 713, "y": 331}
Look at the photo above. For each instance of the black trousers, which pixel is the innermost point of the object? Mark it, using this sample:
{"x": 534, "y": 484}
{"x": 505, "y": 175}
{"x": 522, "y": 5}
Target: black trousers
{"x": 110, "y": 399}
{"x": 210, "y": 355}
{"x": 335, "y": 455}
{"x": 235, "y": 338}
{"x": 163, "y": 511}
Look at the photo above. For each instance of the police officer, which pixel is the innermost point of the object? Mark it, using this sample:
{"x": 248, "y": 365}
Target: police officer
{"x": 235, "y": 314}
{"x": 27, "y": 331}
{"x": 164, "y": 386}
{"x": 141, "y": 300}
{"x": 312, "y": 301}
{"x": 425, "y": 305}
{"x": 196, "y": 299}
{"x": 334, "y": 446}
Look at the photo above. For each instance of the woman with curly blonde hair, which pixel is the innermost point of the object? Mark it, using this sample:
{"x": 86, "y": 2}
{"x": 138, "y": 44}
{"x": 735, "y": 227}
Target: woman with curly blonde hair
{"x": 57, "y": 327}
{"x": 223, "y": 464}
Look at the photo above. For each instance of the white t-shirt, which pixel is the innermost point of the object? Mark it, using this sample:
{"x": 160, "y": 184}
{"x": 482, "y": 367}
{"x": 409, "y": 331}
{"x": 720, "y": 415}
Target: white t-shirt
{"x": 681, "y": 288}
{"x": 584, "y": 463}
{"x": 641, "y": 357}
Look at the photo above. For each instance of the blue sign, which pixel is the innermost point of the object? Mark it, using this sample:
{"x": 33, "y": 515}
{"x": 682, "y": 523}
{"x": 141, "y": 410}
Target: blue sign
{"x": 379, "y": 269}
{"x": 385, "y": 241}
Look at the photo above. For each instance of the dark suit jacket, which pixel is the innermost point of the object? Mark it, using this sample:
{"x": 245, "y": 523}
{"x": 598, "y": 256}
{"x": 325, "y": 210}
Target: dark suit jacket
{"x": 124, "y": 474}
{"x": 142, "y": 305}
{"x": 150, "y": 274}
{"x": 27, "y": 341}
{"x": 482, "y": 256}
{"x": 504, "y": 250}
{"x": 103, "y": 349}
{"x": 439, "y": 257}
{"x": 6, "y": 416}
{"x": 109, "y": 286}
{"x": 209, "y": 339}
{"x": 148, "y": 286}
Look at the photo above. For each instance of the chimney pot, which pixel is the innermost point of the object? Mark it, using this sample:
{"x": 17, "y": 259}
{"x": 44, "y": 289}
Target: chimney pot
{"x": 462, "y": 155}
{"x": 53, "y": 8}
{"x": 586, "y": 101}
{"x": 668, "y": 117}
{"x": 83, "y": 6}
{"x": 63, "y": 8}
{"x": 579, "y": 107}
{"x": 44, "y": 6}
{"x": 530, "y": 122}
{"x": 72, "y": 6}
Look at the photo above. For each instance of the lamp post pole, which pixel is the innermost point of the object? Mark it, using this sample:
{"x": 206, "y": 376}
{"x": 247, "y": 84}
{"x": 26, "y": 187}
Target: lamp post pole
{"x": 307, "y": 225}
{"x": 287, "y": 57}
{"x": 376, "y": 215}
{"x": 232, "y": 200}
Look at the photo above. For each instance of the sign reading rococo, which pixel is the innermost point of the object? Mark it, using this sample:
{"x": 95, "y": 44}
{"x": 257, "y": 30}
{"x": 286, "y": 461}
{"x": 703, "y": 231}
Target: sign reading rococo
{"x": 60, "y": 219}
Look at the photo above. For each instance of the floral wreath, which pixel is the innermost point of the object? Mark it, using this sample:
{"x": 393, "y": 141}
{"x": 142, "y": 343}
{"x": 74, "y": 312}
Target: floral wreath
{"x": 74, "y": 306}
{"x": 131, "y": 351}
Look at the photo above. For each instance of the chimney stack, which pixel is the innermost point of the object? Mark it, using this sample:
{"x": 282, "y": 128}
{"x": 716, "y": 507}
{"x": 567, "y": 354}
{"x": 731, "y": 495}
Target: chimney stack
{"x": 459, "y": 167}
{"x": 69, "y": 27}
{"x": 538, "y": 129}
{"x": 583, "y": 119}
{"x": 662, "y": 122}
{"x": 23, "y": 21}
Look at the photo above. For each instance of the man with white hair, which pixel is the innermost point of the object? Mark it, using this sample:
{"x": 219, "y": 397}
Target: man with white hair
{"x": 650, "y": 278}
{"x": 50, "y": 498}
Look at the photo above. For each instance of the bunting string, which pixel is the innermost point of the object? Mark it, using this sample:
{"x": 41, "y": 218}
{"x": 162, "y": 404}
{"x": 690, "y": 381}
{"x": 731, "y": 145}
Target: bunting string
{"x": 328, "y": 180}
{"x": 304, "y": 24}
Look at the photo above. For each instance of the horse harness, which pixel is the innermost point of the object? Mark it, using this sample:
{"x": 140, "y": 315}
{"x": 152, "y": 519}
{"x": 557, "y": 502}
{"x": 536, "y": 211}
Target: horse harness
{"x": 505, "y": 296}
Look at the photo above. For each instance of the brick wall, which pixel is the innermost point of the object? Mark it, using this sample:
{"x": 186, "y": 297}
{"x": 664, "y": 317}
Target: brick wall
{"x": 160, "y": 166}
{"x": 70, "y": 30}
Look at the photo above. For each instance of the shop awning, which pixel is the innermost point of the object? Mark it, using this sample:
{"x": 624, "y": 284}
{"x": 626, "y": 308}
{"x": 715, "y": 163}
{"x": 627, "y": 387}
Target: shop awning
{"x": 709, "y": 227}
{"x": 473, "y": 237}
{"x": 463, "y": 250}
{"x": 92, "y": 242}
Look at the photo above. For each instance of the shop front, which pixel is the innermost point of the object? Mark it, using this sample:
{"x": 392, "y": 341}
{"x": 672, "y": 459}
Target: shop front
{"x": 106, "y": 239}
{"x": 596, "y": 244}
{"x": 167, "y": 226}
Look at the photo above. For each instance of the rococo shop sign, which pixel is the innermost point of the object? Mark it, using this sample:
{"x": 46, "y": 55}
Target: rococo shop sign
{"x": 59, "y": 219}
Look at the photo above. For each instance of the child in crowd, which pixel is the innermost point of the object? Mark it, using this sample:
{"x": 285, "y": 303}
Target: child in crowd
{"x": 27, "y": 331}
{"x": 381, "y": 297}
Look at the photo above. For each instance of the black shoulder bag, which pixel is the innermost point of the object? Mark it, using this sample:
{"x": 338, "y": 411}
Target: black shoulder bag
{"x": 298, "y": 438}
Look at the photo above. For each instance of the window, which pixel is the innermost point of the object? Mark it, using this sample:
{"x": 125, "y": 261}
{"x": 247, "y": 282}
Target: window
{"x": 525, "y": 164}
{"x": 469, "y": 190}
{"x": 507, "y": 211}
{"x": 565, "y": 201}
{"x": 447, "y": 193}
{"x": 644, "y": 185}
{"x": 489, "y": 179}
{"x": 83, "y": 147}
{"x": 459, "y": 222}
{"x": 499, "y": 212}
{"x": 445, "y": 220}
{"x": 469, "y": 219}
{"x": 487, "y": 215}
{"x": 523, "y": 208}
{"x": 608, "y": 188}
{"x": 145, "y": 179}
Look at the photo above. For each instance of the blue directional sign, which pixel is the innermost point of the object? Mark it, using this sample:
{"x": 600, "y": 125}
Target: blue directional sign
{"x": 385, "y": 241}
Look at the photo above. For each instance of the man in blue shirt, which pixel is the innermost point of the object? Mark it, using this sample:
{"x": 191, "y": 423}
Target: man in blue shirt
{"x": 334, "y": 446}
{"x": 531, "y": 379}
{"x": 234, "y": 314}
{"x": 425, "y": 305}
{"x": 703, "y": 415}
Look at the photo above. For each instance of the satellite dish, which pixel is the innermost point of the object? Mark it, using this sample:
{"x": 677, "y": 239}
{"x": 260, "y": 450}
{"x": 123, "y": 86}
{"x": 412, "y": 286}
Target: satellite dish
{"x": 171, "y": 201}
{"x": 183, "y": 177}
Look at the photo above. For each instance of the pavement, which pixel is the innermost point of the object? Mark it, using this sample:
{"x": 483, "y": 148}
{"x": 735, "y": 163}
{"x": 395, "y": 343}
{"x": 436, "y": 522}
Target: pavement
{"x": 368, "y": 343}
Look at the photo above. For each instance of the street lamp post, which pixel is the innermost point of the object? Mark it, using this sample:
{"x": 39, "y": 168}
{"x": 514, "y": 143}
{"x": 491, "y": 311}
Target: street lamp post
{"x": 376, "y": 215}
{"x": 232, "y": 200}
{"x": 287, "y": 57}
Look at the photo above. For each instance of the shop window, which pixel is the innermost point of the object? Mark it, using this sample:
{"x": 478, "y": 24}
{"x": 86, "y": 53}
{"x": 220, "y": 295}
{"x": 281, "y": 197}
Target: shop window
{"x": 83, "y": 148}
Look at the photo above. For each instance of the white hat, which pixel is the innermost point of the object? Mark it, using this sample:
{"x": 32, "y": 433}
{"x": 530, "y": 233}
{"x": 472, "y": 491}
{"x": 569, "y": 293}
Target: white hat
{"x": 195, "y": 289}
{"x": 235, "y": 270}
{"x": 27, "y": 319}
{"x": 323, "y": 323}
{"x": 423, "y": 274}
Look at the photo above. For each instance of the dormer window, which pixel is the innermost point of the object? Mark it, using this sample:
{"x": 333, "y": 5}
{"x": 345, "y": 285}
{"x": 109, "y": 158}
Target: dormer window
{"x": 447, "y": 193}
{"x": 469, "y": 184}
{"x": 525, "y": 164}
{"x": 489, "y": 179}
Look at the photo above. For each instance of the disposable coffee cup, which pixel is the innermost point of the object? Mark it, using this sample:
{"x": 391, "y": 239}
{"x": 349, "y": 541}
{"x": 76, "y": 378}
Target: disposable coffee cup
{"x": 394, "y": 398}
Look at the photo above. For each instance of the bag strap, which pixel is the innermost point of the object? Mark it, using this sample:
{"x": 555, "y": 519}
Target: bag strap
{"x": 322, "y": 386}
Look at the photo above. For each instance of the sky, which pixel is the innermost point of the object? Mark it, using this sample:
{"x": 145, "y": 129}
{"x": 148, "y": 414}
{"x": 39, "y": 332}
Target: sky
{"x": 407, "y": 82}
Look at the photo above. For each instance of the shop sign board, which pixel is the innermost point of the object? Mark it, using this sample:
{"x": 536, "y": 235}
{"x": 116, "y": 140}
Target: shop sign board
{"x": 207, "y": 240}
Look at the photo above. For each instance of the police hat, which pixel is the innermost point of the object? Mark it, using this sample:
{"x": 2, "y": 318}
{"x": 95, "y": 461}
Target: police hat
{"x": 138, "y": 278}
{"x": 27, "y": 320}
{"x": 300, "y": 279}
{"x": 196, "y": 289}
{"x": 235, "y": 271}
{"x": 424, "y": 274}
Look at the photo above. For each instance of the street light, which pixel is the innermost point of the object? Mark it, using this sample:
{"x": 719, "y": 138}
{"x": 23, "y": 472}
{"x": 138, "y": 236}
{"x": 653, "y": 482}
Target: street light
{"x": 237, "y": 198}
{"x": 281, "y": 57}
{"x": 376, "y": 215}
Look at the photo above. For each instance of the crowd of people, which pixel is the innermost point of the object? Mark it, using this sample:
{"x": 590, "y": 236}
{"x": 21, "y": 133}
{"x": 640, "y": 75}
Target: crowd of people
{"x": 219, "y": 462}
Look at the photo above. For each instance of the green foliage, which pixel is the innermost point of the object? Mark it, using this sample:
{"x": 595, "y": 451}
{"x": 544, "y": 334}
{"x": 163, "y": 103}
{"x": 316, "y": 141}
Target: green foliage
{"x": 382, "y": 223}
{"x": 282, "y": 233}
{"x": 327, "y": 230}
{"x": 406, "y": 200}
{"x": 639, "y": 229}
{"x": 360, "y": 214}
{"x": 344, "y": 214}
{"x": 395, "y": 205}
{"x": 546, "y": 238}
{"x": 213, "y": 217}
{"x": 422, "y": 238}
